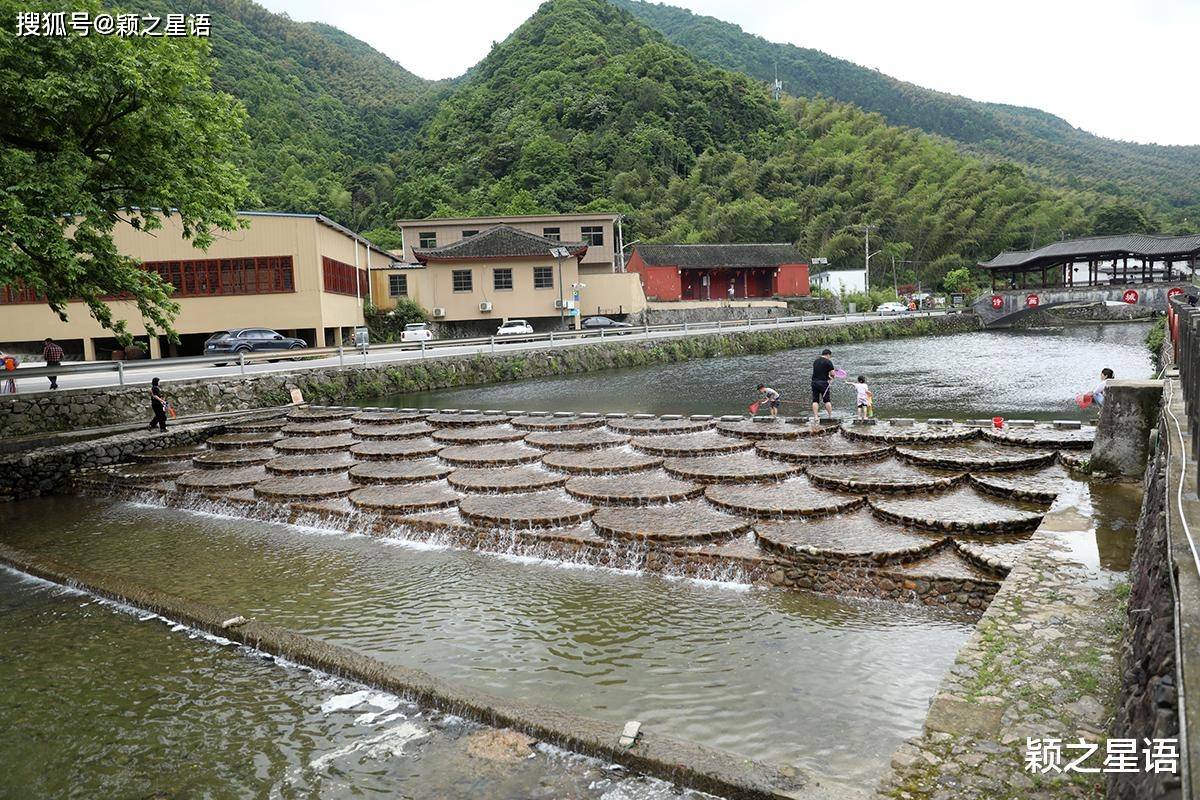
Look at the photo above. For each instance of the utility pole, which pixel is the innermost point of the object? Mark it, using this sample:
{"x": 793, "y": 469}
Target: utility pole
{"x": 867, "y": 258}
{"x": 777, "y": 87}
{"x": 560, "y": 253}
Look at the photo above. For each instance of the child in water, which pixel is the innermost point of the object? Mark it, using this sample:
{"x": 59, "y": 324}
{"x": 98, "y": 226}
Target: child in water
{"x": 771, "y": 397}
{"x": 863, "y": 398}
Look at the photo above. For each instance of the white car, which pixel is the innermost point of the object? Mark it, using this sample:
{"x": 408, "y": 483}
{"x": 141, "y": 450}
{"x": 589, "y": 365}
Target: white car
{"x": 416, "y": 332}
{"x": 514, "y": 327}
{"x": 891, "y": 308}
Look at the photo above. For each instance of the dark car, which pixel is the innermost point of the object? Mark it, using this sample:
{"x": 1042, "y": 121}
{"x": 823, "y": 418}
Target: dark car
{"x": 605, "y": 323}
{"x": 249, "y": 340}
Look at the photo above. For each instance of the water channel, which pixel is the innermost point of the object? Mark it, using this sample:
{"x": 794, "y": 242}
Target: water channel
{"x": 112, "y": 702}
{"x": 1033, "y": 374}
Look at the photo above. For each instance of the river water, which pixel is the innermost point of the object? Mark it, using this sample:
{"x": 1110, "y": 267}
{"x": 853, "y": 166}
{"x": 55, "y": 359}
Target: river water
{"x": 827, "y": 684}
{"x": 111, "y": 703}
{"x": 1015, "y": 374}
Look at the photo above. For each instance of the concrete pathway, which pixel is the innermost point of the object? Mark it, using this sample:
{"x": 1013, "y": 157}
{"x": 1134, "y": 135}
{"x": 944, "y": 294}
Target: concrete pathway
{"x": 192, "y": 370}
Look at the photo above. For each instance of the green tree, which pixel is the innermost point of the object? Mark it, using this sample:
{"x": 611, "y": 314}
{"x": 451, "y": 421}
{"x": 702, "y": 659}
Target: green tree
{"x": 98, "y": 130}
{"x": 1118, "y": 217}
{"x": 959, "y": 280}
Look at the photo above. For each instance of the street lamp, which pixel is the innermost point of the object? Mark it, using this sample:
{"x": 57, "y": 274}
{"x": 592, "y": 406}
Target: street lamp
{"x": 560, "y": 253}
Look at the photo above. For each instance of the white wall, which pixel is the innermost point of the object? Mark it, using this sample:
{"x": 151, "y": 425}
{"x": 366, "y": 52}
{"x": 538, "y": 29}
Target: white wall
{"x": 842, "y": 281}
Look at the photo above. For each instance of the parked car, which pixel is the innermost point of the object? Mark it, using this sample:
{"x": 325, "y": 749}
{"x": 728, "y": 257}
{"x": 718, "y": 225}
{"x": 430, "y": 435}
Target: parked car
{"x": 514, "y": 327}
{"x": 603, "y": 323}
{"x": 416, "y": 332}
{"x": 249, "y": 340}
{"x": 891, "y": 308}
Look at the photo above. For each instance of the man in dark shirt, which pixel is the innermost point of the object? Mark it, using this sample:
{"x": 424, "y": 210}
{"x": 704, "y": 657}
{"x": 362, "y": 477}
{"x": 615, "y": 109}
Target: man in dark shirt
{"x": 822, "y": 377}
{"x": 53, "y": 354}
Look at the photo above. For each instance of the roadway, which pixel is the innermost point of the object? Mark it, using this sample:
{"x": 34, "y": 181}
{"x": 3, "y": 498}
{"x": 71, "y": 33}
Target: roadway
{"x": 83, "y": 375}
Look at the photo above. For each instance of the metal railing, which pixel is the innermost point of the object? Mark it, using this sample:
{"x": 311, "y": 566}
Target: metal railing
{"x": 1183, "y": 326}
{"x": 423, "y": 349}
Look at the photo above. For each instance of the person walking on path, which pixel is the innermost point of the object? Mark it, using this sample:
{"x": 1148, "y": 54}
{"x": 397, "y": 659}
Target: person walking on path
{"x": 822, "y": 378}
{"x": 53, "y": 354}
{"x": 7, "y": 384}
{"x": 158, "y": 404}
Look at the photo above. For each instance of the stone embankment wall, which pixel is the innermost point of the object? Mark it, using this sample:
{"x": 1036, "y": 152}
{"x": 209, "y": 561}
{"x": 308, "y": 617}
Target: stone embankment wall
{"x": 1082, "y": 313}
{"x": 677, "y": 314}
{"x": 26, "y": 414}
{"x": 1147, "y": 707}
{"x": 42, "y": 471}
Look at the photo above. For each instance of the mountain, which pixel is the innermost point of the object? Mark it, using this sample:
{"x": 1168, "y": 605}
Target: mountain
{"x": 325, "y": 110}
{"x": 584, "y": 106}
{"x": 1050, "y": 148}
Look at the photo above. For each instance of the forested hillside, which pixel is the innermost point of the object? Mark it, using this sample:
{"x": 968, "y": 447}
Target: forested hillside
{"x": 583, "y": 106}
{"x": 326, "y": 110}
{"x": 1053, "y": 151}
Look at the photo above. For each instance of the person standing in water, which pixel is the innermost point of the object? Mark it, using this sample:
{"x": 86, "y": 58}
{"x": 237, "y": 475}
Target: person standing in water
{"x": 158, "y": 404}
{"x": 771, "y": 397}
{"x": 822, "y": 379}
{"x": 862, "y": 400}
{"x": 1106, "y": 375}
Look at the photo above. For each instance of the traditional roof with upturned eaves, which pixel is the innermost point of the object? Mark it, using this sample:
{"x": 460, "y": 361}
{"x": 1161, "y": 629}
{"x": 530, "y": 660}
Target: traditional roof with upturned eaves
{"x": 719, "y": 256}
{"x": 1137, "y": 245}
{"x": 497, "y": 242}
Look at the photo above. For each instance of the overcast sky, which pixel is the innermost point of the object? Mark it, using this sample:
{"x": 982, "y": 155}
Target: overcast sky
{"x": 1084, "y": 60}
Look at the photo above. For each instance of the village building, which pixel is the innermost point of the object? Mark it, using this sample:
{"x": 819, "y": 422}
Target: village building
{"x": 601, "y": 232}
{"x": 502, "y": 272}
{"x": 671, "y": 272}
{"x": 301, "y": 275}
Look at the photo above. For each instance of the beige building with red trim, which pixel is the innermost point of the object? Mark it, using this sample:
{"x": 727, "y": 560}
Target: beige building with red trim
{"x": 299, "y": 274}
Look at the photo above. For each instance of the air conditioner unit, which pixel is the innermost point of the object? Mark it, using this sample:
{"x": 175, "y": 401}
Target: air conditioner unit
{"x": 439, "y": 312}
{"x": 559, "y": 304}
{"x": 485, "y": 306}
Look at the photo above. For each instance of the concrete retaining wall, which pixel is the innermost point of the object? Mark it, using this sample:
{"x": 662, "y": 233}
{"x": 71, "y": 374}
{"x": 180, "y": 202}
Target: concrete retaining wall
{"x": 26, "y": 414}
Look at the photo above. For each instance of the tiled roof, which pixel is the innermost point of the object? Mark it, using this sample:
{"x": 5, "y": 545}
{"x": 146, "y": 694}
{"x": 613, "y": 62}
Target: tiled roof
{"x": 717, "y": 256}
{"x": 498, "y": 241}
{"x": 1138, "y": 245}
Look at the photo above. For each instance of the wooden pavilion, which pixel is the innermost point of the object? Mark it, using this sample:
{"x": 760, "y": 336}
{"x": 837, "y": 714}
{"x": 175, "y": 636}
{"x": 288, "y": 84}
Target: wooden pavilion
{"x": 1106, "y": 258}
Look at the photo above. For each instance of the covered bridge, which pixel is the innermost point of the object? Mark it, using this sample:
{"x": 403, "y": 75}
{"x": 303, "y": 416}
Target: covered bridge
{"x": 711, "y": 271}
{"x": 1134, "y": 258}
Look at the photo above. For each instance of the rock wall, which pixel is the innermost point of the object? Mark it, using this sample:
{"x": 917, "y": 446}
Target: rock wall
{"x": 26, "y": 414}
{"x": 657, "y": 315}
{"x": 1147, "y": 707}
{"x": 1081, "y": 313}
{"x": 42, "y": 471}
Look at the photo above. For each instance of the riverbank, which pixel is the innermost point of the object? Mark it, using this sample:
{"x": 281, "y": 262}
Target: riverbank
{"x": 22, "y": 415}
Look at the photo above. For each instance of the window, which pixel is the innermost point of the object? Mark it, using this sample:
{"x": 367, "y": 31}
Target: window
{"x": 554, "y": 234}
{"x": 543, "y": 277}
{"x": 468, "y": 234}
{"x": 461, "y": 279}
{"x": 428, "y": 239}
{"x": 202, "y": 277}
{"x": 342, "y": 278}
{"x": 397, "y": 285}
{"x": 502, "y": 279}
{"x": 593, "y": 235}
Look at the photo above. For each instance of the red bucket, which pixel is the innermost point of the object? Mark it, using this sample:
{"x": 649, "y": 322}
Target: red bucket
{"x": 997, "y": 422}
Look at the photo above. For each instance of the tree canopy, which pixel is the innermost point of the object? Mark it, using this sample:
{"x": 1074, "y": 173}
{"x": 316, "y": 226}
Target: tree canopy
{"x": 98, "y": 130}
